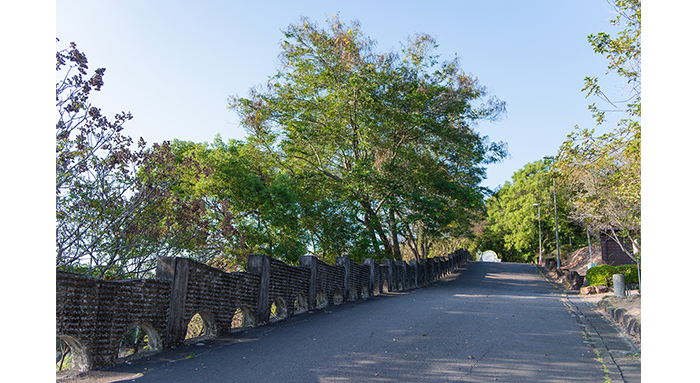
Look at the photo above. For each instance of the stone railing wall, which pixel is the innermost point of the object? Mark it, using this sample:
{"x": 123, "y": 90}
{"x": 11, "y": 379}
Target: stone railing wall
{"x": 571, "y": 278}
{"x": 92, "y": 315}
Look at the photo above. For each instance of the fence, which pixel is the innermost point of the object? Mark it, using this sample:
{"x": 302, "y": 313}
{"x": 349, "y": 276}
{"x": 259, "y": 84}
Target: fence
{"x": 92, "y": 315}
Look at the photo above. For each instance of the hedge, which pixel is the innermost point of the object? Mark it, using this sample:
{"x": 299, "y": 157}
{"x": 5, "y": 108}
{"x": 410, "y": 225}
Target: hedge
{"x": 630, "y": 273}
{"x": 601, "y": 275}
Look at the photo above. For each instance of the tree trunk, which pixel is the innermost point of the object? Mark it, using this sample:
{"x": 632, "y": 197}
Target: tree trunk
{"x": 372, "y": 223}
{"x": 394, "y": 235}
{"x": 412, "y": 243}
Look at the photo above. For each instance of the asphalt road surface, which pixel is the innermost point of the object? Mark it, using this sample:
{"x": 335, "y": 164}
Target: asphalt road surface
{"x": 486, "y": 322}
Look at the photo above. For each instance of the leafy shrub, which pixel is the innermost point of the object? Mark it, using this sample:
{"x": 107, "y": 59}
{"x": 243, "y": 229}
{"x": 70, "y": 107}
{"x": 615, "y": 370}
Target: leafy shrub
{"x": 630, "y": 272}
{"x": 601, "y": 275}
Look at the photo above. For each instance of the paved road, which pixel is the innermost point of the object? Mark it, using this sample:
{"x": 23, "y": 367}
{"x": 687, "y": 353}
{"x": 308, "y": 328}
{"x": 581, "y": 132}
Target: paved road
{"x": 487, "y": 322}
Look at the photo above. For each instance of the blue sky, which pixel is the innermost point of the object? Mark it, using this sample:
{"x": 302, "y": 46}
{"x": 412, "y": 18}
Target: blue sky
{"x": 174, "y": 64}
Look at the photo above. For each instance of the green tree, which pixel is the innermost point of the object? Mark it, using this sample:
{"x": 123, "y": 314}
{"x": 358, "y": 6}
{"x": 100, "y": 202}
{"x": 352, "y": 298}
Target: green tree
{"x": 603, "y": 173}
{"x": 329, "y": 218}
{"x": 388, "y": 135}
{"x": 512, "y": 228}
{"x": 624, "y": 54}
{"x": 110, "y": 199}
{"x": 250, "y": 206}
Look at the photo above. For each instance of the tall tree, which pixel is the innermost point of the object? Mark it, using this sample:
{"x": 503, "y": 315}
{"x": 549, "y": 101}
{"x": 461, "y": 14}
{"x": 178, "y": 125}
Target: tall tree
{"x": 624, "y": 53}
{"x": 251, "y": 207}
{"x": 603, "y": 172}
{"x": 110, "y": 199}
{"x": 389, "y": 134}
{"x": 512, "y": 227}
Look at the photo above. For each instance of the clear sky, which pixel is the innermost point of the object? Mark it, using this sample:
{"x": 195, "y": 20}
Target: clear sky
{"x": 173, "y": 64}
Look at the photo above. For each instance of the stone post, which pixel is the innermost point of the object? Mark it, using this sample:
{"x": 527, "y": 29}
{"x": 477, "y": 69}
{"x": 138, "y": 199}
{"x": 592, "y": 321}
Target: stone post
{"x": 401, "y": 265}
{"x": 436, "y": 269}
{"x": 422, "y": 268}
{"x": 412, "y": 264}
{"x": 390, "y": 277}
{"x": 430, "y": 270}
{"x": 177, "y": 271}
{"x": 311, "y": 262}
{"x": 370, "y": 262}
{"x": 345, "y": 262}
{"x": 619, "y": 285}
{"x": 260, "y": 265}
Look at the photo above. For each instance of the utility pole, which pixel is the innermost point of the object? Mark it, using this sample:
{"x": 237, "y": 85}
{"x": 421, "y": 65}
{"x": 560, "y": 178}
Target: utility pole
{"x": 556, "y": 217}
{"x": 556, "y": 222}
{"x": 539, "y": 227}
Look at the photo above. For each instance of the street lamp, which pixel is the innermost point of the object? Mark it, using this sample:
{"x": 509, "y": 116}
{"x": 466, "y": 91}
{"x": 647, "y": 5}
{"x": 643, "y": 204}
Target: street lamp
{"x": 556, "y": 218}
{"x": 539, "y": 226}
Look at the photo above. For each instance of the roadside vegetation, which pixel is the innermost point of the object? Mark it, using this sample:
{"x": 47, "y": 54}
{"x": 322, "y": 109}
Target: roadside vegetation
{"x": 597, "y": 176}
{"x": 351, "y": 152}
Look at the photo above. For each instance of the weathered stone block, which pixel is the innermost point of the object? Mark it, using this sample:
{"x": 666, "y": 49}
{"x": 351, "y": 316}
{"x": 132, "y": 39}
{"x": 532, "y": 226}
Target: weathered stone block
{"x": 92, "y": 314}
{"x": 587, "y": 290}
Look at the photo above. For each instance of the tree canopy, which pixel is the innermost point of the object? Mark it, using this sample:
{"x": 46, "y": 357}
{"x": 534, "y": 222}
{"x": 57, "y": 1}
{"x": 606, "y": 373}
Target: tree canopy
{"x": 389, "y": 136}
{"x": 603, "y": 172}
{"x": 351, "y": 152}
{"x": 115, "y": 207}
{"x": 511, "y": 226}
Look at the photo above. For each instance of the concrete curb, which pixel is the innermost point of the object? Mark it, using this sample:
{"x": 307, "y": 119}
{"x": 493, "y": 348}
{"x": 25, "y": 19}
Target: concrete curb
{"x": 628, "y": 322}
{"x": 556, "y": 280}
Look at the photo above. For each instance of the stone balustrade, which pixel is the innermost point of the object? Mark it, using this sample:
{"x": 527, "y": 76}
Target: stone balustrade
{"x": 92, "y": 315}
